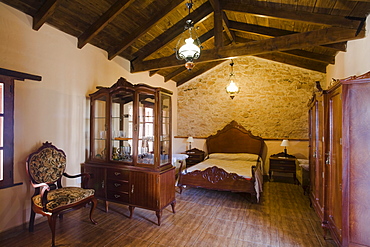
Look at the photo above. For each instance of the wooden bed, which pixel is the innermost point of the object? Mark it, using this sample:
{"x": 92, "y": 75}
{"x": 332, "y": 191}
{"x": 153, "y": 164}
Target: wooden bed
{"x": 232, "y": 139}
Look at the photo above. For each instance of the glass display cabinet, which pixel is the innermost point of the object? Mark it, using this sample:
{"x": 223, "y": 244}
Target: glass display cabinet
{"x": 130, "y": 147}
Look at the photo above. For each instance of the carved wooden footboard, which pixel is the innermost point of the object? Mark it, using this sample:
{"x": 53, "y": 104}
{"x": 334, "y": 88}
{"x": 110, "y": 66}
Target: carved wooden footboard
{"x": 218, "y": 179}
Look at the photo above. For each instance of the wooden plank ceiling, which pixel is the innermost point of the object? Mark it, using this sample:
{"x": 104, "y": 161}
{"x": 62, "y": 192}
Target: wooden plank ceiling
{"x": 303, "y": 33}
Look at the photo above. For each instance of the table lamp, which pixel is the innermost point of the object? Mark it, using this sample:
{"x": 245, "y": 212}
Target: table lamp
{"x": 285, "y": 143}
{"x": 190, "y": 140}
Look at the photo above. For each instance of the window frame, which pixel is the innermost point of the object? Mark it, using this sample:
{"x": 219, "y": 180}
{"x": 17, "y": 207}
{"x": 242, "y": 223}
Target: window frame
{"x": 7, "y": 77}
{"x": 8, "y": 133}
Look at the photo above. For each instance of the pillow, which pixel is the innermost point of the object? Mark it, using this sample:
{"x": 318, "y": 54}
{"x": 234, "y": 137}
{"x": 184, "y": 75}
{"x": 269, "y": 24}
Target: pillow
{"x": 234, "y": 156}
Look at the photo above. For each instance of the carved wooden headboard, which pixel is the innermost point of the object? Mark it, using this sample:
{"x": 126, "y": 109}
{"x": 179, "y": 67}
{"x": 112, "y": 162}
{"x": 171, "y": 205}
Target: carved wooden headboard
{"x": 234, "y": 138}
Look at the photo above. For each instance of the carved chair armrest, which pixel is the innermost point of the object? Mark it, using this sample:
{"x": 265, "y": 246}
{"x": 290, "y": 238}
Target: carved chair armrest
{"x": 45, "y": 188}
{"x": 85, "y": 178}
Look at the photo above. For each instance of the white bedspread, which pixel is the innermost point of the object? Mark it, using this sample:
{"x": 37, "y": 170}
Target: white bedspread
{"x": 240, "y": 163}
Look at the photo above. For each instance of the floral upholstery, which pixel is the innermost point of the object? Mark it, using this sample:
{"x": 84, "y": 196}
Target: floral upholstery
{"x": 63, "y": 196}
{"x": 47, "y": 166}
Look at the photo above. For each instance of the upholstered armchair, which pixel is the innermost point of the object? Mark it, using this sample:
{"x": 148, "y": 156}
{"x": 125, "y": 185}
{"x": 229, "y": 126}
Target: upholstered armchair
{"x": 46, "y": 167}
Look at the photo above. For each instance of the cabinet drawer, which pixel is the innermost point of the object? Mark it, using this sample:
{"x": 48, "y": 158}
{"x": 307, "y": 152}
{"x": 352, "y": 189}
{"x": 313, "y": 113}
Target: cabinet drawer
{"x": 117, "y": 185}
{"x": 118, "y": 174}
{"x": 283, "y": 162}
{"x": 282, "y": 167}
{"x": 118, "y": 196}
{"x": 194, "y": 156}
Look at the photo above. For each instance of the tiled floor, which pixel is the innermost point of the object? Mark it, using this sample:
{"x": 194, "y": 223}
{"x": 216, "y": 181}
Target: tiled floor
{"x": 203, "y": 218}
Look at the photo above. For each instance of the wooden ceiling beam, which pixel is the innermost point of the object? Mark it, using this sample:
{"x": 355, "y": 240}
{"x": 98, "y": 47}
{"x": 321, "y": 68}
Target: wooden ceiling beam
{"x": 127, "y": 41}
{"x": 319, "y": 57}
{"x": 312, "y": 56}
{"x": 174, "y": 73}
{"x": 274, "y": 32}
{"x": 295, "y": 61}
{"x": 197, "y": 15}
{"x": 103, "y": 21}
{"x": 217, "y": 8}
{"x": 192, "y": 74}
{"x": 153, "y": 72}
{"x": 229, "y": 32}
{"x": 282, "y": 43}
{"x": 296, "y": 58}
{"x": 46, "y": 10}
{"x": 322, "y": 19}
{"x": 250, "y": 28}
{"x": 267, "y": 32}
{"x": 341, "y": 46}
{"x": 217, "y": 22}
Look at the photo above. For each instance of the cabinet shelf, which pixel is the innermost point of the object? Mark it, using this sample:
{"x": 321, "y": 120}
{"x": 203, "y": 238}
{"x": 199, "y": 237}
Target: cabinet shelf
{"x": 122, "y": 138}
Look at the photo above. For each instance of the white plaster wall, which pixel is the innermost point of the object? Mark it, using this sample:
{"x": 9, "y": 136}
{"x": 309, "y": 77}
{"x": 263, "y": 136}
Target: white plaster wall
{"x": 55, "y": 109}
{"x": 355, "y": 61}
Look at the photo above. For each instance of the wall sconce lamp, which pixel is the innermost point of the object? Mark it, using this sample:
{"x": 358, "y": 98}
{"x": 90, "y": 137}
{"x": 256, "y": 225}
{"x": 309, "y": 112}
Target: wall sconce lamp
{"x": 188, "y": 47}
{"x": 285, "y": 143}
{"x": 190, "y": 140}
{"x": 232, "y": 88}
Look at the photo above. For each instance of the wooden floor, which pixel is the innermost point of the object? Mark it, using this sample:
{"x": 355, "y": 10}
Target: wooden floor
{"x": 203, "y": 218}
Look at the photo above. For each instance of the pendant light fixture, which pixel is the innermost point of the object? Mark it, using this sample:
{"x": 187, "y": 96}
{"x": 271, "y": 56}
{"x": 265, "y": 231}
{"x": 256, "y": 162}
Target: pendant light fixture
{"x": 232, "y": 88}
{"x": 188, "y": 47}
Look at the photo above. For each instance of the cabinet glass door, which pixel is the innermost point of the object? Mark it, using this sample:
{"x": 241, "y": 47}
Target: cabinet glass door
{"x": 165, "y": 132}
{"x": 122, "y": 126}
{"x": 145, "y": 143}
{"x": 99, "y": 134}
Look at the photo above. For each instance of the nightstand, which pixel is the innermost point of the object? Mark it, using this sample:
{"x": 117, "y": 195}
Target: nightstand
{"x": 195, "y": 156}
{"x": 283, "y": 164}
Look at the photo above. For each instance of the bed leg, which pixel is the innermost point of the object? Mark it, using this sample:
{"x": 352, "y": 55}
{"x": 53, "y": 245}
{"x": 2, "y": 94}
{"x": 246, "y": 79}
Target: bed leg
{"x": 253, "y": 198}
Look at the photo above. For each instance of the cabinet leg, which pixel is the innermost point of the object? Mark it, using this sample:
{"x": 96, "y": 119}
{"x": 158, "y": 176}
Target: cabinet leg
{"x": 131, "y": 208}
{"x": 173, "y": 206}
{"x": 159, "y": 216}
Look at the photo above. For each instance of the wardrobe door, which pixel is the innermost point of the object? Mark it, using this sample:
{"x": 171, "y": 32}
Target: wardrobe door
{"x": 334, "y": 165}
{"x": 312, "y": 153}
{"x": 320, "y": 155}
{"x": 356, "y": 157}
{"x": 316, "y": 118}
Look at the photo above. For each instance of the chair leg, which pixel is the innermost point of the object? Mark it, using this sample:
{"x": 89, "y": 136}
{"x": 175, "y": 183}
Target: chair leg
{"x": 94, "y": 202}
{"x": 52, "y": 221}
{"x": 32, "y": 220}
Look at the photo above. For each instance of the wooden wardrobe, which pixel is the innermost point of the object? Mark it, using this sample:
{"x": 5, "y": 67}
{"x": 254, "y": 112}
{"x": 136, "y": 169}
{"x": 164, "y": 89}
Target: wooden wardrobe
{"x": 340, "y": 159}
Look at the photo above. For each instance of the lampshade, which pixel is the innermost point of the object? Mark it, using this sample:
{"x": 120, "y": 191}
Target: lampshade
{"x": 188, "y": 46}
{"x": 190, "y": 139}
{"x": 285, "y": 143}
{"x": 232, "y": 88}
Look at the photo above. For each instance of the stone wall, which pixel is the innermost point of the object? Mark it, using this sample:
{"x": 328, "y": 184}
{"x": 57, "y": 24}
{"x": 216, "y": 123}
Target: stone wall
{"x": 272, "y": 101}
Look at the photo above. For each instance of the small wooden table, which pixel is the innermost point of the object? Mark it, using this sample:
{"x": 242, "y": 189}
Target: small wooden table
{"x": 195, "y": 156}
{"x": 284, "y": 165}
